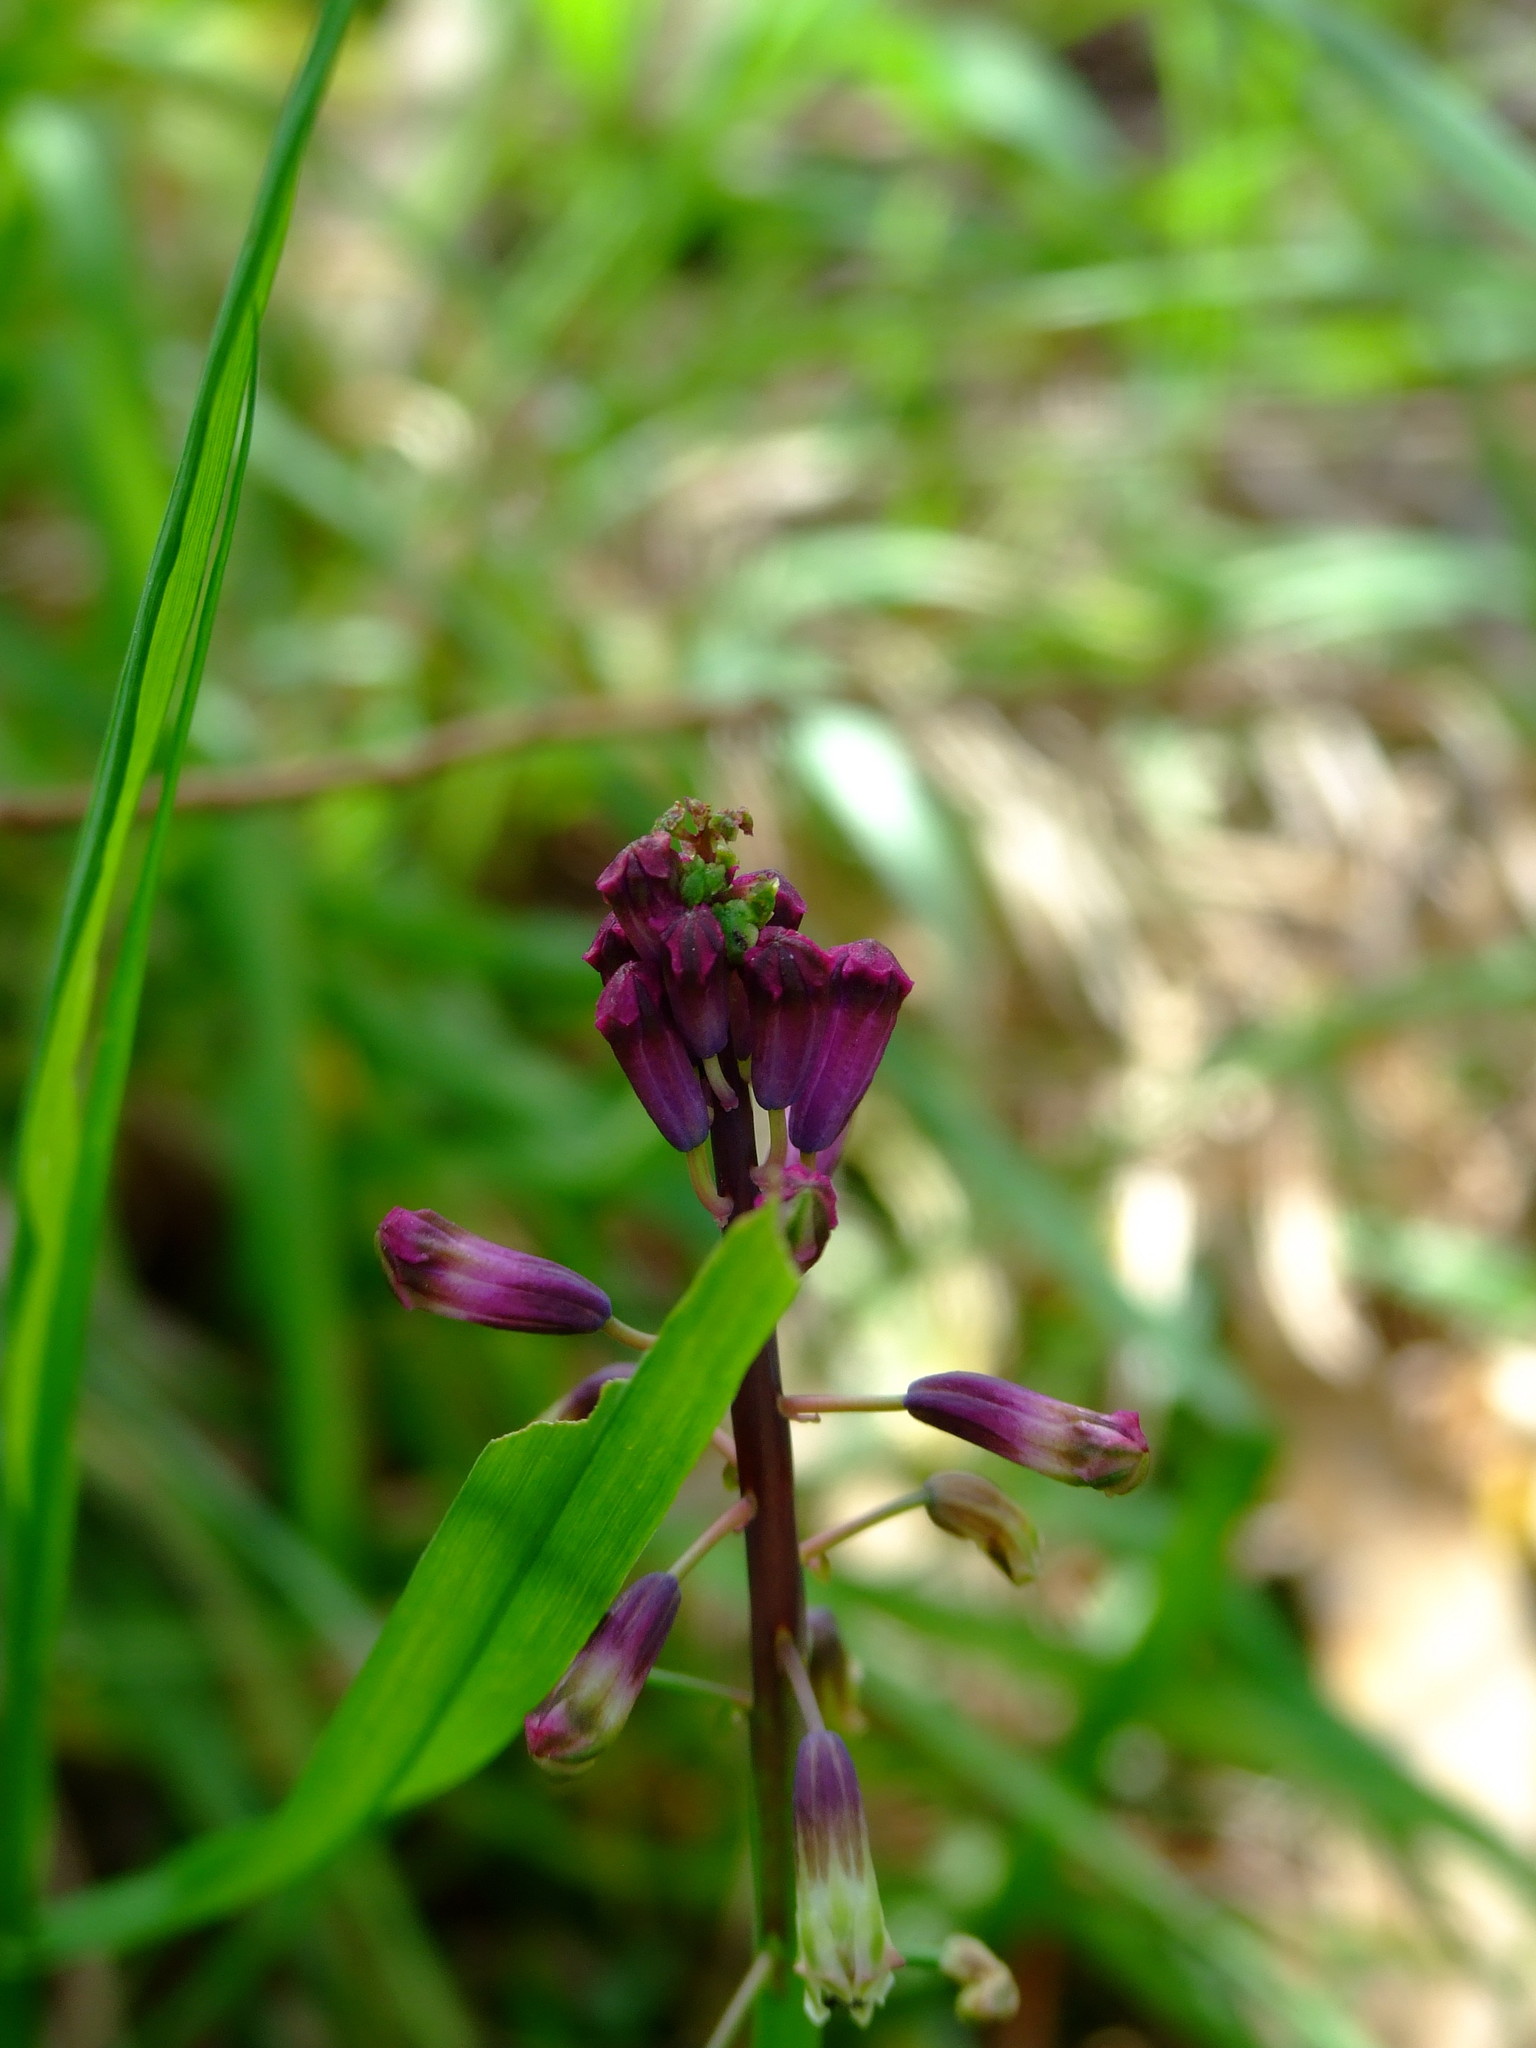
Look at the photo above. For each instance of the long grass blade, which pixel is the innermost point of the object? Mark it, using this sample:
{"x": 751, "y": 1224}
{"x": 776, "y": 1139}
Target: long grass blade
{"x": 80, "y": 1067}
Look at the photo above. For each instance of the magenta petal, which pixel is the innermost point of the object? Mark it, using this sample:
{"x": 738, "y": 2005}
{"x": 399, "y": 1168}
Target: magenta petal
{"x": 434, "y": 1264}
{"x": 866, "y": 989}
{"x": 587, "y": 1709}
{"x": 785, "y": 976}
{"x": 1079, "y": 1446}
{"x": 632, "y": 1015}
{"x": 698, "y": 982}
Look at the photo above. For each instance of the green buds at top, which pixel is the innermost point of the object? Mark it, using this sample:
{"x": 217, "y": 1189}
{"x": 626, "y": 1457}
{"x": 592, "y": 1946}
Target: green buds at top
{"x": 987, "y": 1988}
{"x": 844, "y": 1953}
{"x": 966, "y": 1505}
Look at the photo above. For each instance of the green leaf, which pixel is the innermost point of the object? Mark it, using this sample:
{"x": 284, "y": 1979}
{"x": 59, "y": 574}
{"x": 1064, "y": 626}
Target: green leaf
{"x": 79, "y": 1070}
{"x": 533, "y": 1550}
{"x": 1439, "y": 115}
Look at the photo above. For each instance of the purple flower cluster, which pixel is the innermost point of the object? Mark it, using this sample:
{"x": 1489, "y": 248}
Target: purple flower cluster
{"x": 708, "y": 980}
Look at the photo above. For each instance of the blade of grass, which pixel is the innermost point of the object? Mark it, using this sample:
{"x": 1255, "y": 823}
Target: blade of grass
{"x": 1439, "y": 116}
{"x": 78, "y": 1075}
{"x": 533, "y": 1550}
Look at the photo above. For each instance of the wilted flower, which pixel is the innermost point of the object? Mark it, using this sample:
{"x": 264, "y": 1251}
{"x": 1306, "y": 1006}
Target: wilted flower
{"x": 966, "y": 1505}
{"x": 987, "y": 1987}
{"x": 785, "y": 977}
{"x": 589, "y": 1706}
{"x": 578, "y": 1402}
{"x": 834, "y": 1675}
{"x": 436, "y": 1265}
{"x": 1079, "y": 1446}
{"x": 632, "y": 1016}
{"x": 845, "y": 1954}
{"x": 866, "y": 988}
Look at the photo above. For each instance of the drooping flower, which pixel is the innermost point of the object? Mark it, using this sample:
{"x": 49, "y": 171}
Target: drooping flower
{"x": 1078, "y": 1446}
{"x": 987, "y": 1987}
{"x": 640, "y": 885}
{"x": 434, "y": 1264}
{"x": 965, "y": 1504}
{"x": 834, "y": 1675}
{"x": 632, "y": 1015}
{"x": 697, "y": 981}
{"x": 785, "y": 976}
{"x": 578, "y": 1402}
{"x": 844, "y": 1953}
{"x": 866, "y": 988}
{"x": 572, "y": 1727}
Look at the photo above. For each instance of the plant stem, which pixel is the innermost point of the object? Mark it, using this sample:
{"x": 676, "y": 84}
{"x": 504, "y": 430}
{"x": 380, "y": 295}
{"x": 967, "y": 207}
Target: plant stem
{"x": 806, "y": 1407}
{"x": 816, "y": 1546}
{"x": 736, "y": 1517}
{"x": 765, "y": 1467}
{"x": 741, "y": 2002}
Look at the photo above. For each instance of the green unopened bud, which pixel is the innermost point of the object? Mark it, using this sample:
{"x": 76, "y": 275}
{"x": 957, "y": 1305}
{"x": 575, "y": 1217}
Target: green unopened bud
{"x": 987, "y": 1987}
{"x": 966, "y": 1505}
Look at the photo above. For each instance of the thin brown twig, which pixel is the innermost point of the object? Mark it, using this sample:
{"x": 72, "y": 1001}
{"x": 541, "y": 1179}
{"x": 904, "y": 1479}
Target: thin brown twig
{"x": 459, "y": 740}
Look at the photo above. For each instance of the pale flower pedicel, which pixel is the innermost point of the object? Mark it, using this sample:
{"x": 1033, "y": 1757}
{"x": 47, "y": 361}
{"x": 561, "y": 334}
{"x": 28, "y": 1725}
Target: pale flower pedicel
{"x": 716, "y": 1004}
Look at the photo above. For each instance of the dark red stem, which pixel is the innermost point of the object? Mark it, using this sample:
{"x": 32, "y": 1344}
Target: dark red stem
{"x": 765, "y": 1464}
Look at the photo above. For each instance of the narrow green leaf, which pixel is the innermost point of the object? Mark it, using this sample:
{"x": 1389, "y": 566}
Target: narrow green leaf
{"x": 79, "y": 1069}
{"x": 533, "y": 1550}
{"x": 1440, "y": 116}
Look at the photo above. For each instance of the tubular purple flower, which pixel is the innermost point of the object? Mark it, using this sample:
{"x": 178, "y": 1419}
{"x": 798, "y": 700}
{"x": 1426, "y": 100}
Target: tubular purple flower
{"x": 845, "y": 1955}
{"x": 697, "y": 981}
{"x": 785, "y": 976}
{"x": 609, "y": 950}
{"x": 788, "y": 903}
{"x": 640, "y": 887}
{"x": 434, "y": 1264}
{"x": 866, "y": 989}
{"x": 965, "y": 1504}
{"x": 578, "y": 1402}
{"x": 587, "y": 1709}
{"x": 632, "y": 1016}
{"x": 1078, "y": 1446}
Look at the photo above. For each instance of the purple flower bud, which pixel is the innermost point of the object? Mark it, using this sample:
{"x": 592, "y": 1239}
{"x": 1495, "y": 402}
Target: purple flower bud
{"x": 845, "y": 1954}
{"x": 785, "y": 977}
{"x": 433, "y": 1264}
{"x": 788, "y": 904}
{"x": 578, "y": 1402}
{"x": 966, "y": 1505}
{"x": 866, "y": 989}
{"x": 809, "y": 1209}
{"x": 834, "y": 1675}
{"x": 640, "y": 887}
{"x": 589, "y": 1706}
{"x": 1079, "y": 1446}
{"x": 632, "y": 1016}
{"x": 609, "y": 949}
{"x": 987, "y": 1988}
{"x": 698, "y": 983}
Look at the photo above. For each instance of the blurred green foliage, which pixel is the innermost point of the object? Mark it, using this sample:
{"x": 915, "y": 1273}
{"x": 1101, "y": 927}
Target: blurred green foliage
{"x": 1080, "y": 455}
